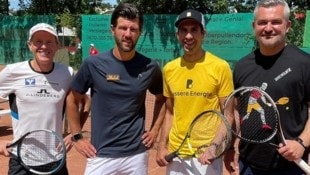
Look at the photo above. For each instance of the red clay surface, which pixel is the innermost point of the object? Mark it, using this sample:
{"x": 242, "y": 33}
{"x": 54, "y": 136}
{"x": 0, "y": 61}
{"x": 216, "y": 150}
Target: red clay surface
{"x": 75, "y": 162}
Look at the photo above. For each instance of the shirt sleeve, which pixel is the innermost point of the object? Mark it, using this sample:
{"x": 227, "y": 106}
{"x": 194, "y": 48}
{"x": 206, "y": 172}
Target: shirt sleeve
{"x": 6, "y": 82}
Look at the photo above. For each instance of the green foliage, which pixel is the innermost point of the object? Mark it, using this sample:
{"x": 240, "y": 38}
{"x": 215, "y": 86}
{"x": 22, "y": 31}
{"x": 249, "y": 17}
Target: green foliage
{"x": 295, "y": 35}
{"x": 4, "y": 7}
{"x": 75, "y": 59}
{"x": 298, "y": 16}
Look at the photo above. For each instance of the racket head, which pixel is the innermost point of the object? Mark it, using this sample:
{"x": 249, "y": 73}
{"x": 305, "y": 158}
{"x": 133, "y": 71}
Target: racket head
{"x": 200, "y": 138}
{"x": 175, "y": 154}
{"x": 209, "y": 135}
{"x": 255, "y": 113}
{"x": 41, "y": 152}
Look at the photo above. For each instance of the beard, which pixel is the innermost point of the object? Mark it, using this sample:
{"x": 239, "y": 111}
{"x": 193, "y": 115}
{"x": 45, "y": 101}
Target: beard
{"x": 125, "y": 46}
{"x": 271, "y": 41}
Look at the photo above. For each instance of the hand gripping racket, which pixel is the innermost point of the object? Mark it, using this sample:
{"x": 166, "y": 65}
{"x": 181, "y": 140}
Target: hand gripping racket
{"x": 39, "y": 151}
{"x": 257, "y": 117}
{"x": 206, "y": 134}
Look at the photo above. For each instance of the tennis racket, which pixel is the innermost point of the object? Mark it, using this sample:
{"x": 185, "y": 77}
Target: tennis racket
{"x": 207, "y": 134}
{"x": 39, "y": 151}
{"x": 257, "y": 117}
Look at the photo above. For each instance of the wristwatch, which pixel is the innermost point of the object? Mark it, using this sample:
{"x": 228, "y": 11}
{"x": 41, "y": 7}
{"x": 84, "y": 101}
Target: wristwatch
{"x": 77, "y": 137}
{"x": 301, "y": 142}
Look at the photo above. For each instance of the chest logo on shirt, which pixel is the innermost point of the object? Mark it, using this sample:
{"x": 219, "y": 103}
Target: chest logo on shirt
{"x": 189, "y": 83}
{"x": 192, "y": 93}
{"x": 283, "y": 74}
{"x": 30, "y": 82}
{"x": 43, "y": 91}
{"x": 113, "y": 77}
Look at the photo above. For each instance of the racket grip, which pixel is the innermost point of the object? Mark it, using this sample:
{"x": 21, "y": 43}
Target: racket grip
{"x": 303, "y": 165}
{"x": 170, "y": 156}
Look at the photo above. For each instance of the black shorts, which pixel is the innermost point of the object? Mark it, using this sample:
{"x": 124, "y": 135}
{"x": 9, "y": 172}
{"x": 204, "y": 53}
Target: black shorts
{"x": 15, "y": 168}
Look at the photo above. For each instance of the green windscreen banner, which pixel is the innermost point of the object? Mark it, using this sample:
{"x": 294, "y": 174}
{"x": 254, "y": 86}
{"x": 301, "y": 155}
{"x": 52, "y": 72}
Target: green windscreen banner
{"x": 14, "y": 35}
{"x": 306, "y": 38}
{"x": 229, "y": 36}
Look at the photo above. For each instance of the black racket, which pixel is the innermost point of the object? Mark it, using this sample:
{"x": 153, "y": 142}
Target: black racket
{"x": 40, "y": 151}
{"x": 206, "y": 134}
{"x": 257, "y": 117}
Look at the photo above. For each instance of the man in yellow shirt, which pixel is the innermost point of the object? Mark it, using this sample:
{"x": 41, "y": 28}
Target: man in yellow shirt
{"x": 194, "y": 82}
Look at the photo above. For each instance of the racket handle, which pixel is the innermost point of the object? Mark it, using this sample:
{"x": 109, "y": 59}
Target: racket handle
{"x": 303, "y": 165}
{"x": 170, "y": 156}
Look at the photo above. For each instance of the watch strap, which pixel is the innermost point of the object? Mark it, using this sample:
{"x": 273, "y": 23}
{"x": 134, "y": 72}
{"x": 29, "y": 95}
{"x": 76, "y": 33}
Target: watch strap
{"x": 301, "y": 142}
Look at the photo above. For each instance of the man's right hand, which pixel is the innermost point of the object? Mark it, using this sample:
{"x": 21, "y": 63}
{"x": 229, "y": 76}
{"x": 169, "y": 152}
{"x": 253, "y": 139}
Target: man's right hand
{"x": 84, "y": 147}
{"x": 160, "y": 157}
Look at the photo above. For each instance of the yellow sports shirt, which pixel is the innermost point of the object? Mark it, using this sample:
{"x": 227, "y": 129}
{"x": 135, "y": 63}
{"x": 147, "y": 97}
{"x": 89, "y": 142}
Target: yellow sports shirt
{"x": 195, "y": 87}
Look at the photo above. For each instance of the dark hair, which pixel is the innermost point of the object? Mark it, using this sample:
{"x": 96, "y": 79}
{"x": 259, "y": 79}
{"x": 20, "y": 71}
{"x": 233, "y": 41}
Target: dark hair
{"x": 128, "y": 11}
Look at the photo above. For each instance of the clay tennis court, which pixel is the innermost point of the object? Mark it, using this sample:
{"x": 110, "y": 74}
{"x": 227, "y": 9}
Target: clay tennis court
{"x": 75, "y": 162}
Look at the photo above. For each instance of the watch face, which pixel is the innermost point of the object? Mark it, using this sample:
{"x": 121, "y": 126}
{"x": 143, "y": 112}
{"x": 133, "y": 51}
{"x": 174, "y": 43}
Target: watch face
{"x": 77, "y": 137}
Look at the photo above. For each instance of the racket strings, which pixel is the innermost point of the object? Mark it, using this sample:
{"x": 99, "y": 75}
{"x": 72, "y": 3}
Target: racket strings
{"x": 203, "y": 129}
{"x": 213, "y": 149}
{"x": 42, "y": 151}
{"x": 212, "y": 135}
{"x": 47, "y": 167}
{"x": 257, "y": 116}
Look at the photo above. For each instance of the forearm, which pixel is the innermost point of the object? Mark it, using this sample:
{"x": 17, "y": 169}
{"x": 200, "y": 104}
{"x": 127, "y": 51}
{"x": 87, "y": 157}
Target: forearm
{"x": 84, "y": 109}
{"x": 159, "y": 113}
{"x": 167, "y": 124}
{"x": 73, "y": 113}
{"x": 229, "y": 115}
{"x": 164, "y": 134}
{"x": 305, "y": 133}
